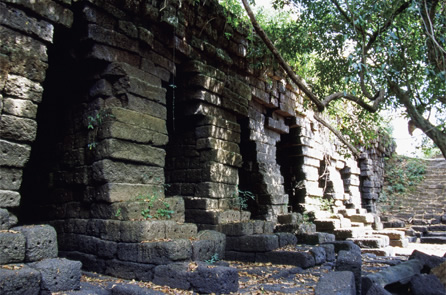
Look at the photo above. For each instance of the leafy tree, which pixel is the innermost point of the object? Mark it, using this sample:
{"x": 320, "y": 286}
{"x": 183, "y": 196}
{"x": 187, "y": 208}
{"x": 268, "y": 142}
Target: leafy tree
{"x": 375, "y": 54}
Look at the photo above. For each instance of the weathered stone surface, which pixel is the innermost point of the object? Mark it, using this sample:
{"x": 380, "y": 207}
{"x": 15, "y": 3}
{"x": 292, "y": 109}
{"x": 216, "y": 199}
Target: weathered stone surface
{"x": 253, "y": 243}
{"x": 337, "y": 282}
{"x": 17, "y": 19}
{"x": 14, "y": 154}
{"x": 9, "y": 199}
{"x": 286, "y": 239}
{"x": 427, "y": 261}
{"x": 156, "y": 252}
{"x": 59, "y": 274}
{"x": 48, "y": 9}
{"x": 319, "y": 254}
{"x": 217, "y": 279}
{"x": 19, "y": 279}
{"x": 17, "y": 129}
{"x": 180, "y": 231}
{"x": 401, "y": 273}
{"x": 20, "y": 108}
{"x": 237, "y": 229}
{"x": 41, "y": 242}
{"x": 127, "y": 289}
{"x": 119, "y": 172}
{"x": 350, "y": 261}
{"x": 12, "y": 244}
{"x": 124, "y": 150}
{"x": 174, "y": 275}
{"x": 425, "y": 284}
{"x": 440, "y": 272}
{"x": 122, "y": 192}
{"x": 143, "y": 231}
{"x": 10, "y": 178}
{"x": 316, "y": 238}
{"x": 129, "y": 270}
{"x": 217, "y": 238}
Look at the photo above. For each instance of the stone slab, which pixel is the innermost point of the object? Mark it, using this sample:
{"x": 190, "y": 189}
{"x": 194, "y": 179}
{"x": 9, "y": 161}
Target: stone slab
{"x": 41, "y": 242}
{"x": 18, "y": 279}
{"x": 12, "y": 244}
{"x": 337, "y": 282}
{"x": 59, "y": 274}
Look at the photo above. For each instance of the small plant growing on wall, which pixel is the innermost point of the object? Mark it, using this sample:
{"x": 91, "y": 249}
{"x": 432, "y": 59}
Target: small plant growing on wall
{"x": 240, "y": 199}
{"x": 155, "y": 200}
{"x": 94, "y": 122}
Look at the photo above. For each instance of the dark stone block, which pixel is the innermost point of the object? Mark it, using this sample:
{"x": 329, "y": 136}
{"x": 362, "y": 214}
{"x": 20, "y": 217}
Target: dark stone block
{"x": 174, "y": 275}
{"x": 89, "y": 262}
{"x": 286, "y": 239}
{"x": 301, "y": 259}
{"x": 424, "y": 284}
{"x": 428, "y": 261}
{"x": 377, "y": 289}
{"x": 21, "y": 279}
{"x": 59, "y": 274}
{"x": 345, "y": 246}
{"x": 337, "y": 282}
{"x": 203, "y": 250}
{"x": 41, "y": 241}
{"x": 253, "y": 243}
{"x": 319, "y": 254}
{"x": 330, "y": 252}
{"x": 13, "y": 247}
{"x": 218, "y": 238}
{"x": 215, "y": 279}
{"x": 350, "y": 261}
{"x": 240, "y": 256}
{"x": 130, "y": 270}
{"x": 316, "y": 238}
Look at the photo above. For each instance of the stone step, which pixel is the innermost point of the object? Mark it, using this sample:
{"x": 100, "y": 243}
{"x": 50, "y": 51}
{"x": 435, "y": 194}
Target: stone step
{"x": 392, "y": 234}
{"x": 345, "y": 233}
{"x": 433, "y": 240}
{"x": 387, "y": 251}
{"x": 371, "y": 242}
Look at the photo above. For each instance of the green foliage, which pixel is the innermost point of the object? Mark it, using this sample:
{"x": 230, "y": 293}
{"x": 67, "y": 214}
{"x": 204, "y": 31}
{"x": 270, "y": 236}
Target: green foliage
{"x": 326, "y": 204}
{"x": 240, "y": 199}
{"x": 94, "y": 122}
{"x": 214, "y": 258}
{"x": 402, "y": 174}
{"x": 154, "y": 199}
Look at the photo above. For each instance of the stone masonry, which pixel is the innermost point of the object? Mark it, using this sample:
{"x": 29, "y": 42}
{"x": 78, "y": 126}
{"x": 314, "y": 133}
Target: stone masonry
{"x": 136, "y": 128}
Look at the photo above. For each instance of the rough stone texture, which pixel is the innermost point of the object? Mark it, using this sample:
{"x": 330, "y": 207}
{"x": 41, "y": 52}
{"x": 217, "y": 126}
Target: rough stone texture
{"x": 41, "y": 242}
{"x": 350, "y": 261}
{"x": 426, "y": 284}
{"x": 440, "y": 272}
{"x": 12, "y": 244}
{"x": 319, "y": 254}
{"x": 127, "y": 289}
{"x": 337, "y": 282}
{"x": 59, "y": 274}
{"x": 253, "y": 243}
{"x": 428, "y": 261}
{"x": 19, "y": 279}
{"x": 401, "y": 273}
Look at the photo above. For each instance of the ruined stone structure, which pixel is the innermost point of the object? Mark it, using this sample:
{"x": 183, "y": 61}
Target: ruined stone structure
{"x": 121, "y": 120}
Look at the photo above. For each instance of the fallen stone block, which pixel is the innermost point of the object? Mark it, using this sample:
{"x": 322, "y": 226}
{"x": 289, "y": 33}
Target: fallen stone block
{"x": 427, "y": 261}
{"x": 401, "y": 273}
{"x": 319, "y": 254}
{"x": 12, "y": 244}
{"x": 18, "y": 279}
{"x": 424, "y": 284}
{"x": 392, "y": 234}
{"x": 240, "y": 256}
{"x": 376, "y": 289}
{"x": 41, "y": 242}
{"x": 350, "y": 261}
{"x": 336, "y": 282}
{"x": 346, "y": 246}
{"x": 440, "y": 272}
{"x": 286, "y": 239}
{"x": 59, "y": 274}
{"x": 301, "y": 259}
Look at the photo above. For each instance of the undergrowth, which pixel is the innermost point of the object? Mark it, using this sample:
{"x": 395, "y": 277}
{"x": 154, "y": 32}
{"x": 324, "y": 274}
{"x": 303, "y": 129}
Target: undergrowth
{"x": 401, "y": 177}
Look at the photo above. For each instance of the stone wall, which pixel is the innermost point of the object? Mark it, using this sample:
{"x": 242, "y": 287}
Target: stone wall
{"x": 121, "y": 120}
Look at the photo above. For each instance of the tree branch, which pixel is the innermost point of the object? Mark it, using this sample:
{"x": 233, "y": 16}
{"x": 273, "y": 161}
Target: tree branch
{"x": 338, "y": 134}
{"x": 296, "y": 79}
{"x": 377, "y": 99}
{"x": 347, "y": 18}
{"x": 386, "y": 25}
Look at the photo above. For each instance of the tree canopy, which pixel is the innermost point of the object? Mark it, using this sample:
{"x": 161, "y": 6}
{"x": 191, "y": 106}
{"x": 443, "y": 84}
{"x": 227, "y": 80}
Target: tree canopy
{"x": 372, "y": 54}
